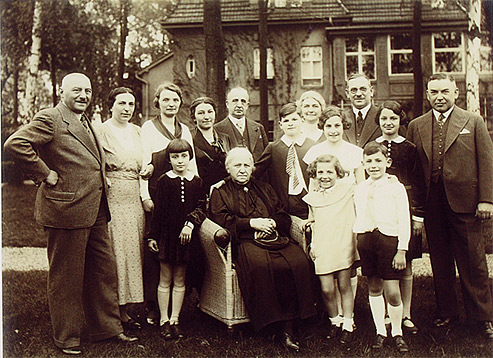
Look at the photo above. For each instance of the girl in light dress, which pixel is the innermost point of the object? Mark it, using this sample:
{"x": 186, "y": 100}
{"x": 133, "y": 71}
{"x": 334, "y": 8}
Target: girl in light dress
{"x": 333, "y": 248}
{"x": 178, "y": 212}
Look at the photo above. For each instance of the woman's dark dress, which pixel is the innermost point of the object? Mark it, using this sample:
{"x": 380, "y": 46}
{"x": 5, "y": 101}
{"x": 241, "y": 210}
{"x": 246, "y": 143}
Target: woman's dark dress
{"x": 403, "y": 154}
{"x": 178, "y": 199}
{"x": 276, "y": 285}
{"x": 210, "y": 158}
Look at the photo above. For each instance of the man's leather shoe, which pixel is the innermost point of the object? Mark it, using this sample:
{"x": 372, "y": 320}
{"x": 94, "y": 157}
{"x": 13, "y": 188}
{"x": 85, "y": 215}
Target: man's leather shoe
{"x": 289, "y": 342}
{"x": 487, "y": 328}
{"x": 444, "y": 321}
{"x": 123, "y": 338}
{"x": 378, "y": 342}
{"x": 72, "y": 351}
{"x": 177, "y": 332}
{"x": 165, "y": 330}
{"x": 346, "y": 337}
{"x": 401, "y": 344}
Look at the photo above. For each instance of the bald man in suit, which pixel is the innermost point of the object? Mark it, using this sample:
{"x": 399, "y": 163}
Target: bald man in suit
{"x": 61, "y": 154}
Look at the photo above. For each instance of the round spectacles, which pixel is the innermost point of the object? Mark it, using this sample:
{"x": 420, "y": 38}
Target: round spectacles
{"x": 355, "y": 90}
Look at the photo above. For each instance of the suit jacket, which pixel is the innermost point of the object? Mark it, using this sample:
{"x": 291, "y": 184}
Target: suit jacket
{"x": 56, "y": 140}
{"x": 371, "y": 130}
{"x": 467, "y": 161}
{"x": 256, "y": 133}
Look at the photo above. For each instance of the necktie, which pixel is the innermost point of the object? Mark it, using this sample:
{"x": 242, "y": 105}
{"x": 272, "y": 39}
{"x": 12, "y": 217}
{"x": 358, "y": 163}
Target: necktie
{"x": 290, "y": 165}
{"x": 239, "y": 126}
{"x": 359, "y": 121}
{"x": 441, "y": 119}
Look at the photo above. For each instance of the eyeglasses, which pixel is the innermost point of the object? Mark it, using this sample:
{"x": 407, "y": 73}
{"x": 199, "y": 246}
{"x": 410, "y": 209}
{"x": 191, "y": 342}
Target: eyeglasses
{"x": 355, "y": 90}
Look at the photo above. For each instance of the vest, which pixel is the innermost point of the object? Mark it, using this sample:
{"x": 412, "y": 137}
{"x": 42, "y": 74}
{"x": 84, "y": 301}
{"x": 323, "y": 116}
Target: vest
{"x": 242, "y": 140}
{"x": 438, "y": 149}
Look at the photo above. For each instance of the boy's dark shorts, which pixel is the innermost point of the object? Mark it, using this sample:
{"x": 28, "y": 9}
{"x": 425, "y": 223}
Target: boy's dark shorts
{"x": 376, "y": 252}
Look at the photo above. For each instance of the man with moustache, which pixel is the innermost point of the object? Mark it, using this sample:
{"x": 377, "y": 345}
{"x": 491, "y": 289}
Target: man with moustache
{"x": 60, "y": 153}
{"x": 243, "y": 132}
{"x": 456, "y": 156}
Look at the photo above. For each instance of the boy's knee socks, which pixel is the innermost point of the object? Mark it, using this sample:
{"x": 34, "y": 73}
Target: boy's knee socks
{"x": 377, "y": 307}
{"x": 395, "y": 314}
{"x": 163, "y": 301}
{"x": 177, "y": 298}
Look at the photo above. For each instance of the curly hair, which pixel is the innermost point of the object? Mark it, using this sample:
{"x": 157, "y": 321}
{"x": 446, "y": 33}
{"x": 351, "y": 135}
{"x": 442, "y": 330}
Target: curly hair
{"x": 333, "y": 111}
{"x": 395, "y": 107}
{"x": 326, "y": 158}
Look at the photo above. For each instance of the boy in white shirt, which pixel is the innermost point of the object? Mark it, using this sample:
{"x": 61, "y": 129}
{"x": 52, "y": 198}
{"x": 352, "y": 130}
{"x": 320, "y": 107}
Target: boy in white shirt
{"x": 383, "y": 228}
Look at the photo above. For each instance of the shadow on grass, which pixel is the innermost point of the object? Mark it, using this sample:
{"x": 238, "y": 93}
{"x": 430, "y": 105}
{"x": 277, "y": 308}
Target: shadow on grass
{"x": 27, "y": 331}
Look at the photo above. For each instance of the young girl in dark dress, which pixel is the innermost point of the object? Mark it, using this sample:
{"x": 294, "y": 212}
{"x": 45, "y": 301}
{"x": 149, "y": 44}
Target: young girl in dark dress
{"x": 179, "y": 208}
{"x": 403, "y": 154}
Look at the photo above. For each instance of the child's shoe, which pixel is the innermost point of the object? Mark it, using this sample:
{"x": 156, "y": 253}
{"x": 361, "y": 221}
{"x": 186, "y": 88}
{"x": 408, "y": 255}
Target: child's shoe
{"x": 408, "y": 326}
{"x": 165, "y": 331}
{"x": 378, "y": 342}
{"x": 333, "y": 332}
{"x": 346, "y": 337}
{"x": 176, "y": 331}
{"x": 401, "y": 344}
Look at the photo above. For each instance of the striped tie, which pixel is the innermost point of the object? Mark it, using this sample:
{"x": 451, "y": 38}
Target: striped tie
{"x": 290, "y": 165}
{"x": 441, "y": 119}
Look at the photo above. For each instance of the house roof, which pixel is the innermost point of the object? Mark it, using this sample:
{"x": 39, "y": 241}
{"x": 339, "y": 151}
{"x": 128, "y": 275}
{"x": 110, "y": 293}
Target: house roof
{"x": 155, "y": 63}
{"x": 189, "y": 13}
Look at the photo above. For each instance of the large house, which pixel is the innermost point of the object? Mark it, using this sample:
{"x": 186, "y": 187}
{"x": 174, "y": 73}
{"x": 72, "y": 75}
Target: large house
{"x": 315, "y": 44}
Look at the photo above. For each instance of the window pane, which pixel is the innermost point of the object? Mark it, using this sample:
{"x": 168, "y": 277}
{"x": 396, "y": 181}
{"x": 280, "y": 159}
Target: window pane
{"x": 317, "y": 69}
{"x": 351, "y": 45}
{"x": 351, "y": 64}
{"x": 369, "y": 66}
{"x": 367, "y": 44}
{"x": 400, "y": 42}
{"x": 402, "y": 63}
{"x": 486, "y": 59}
{"x": 447, "y": 39}
{"x": 312, "y": 82}
{"x": 306, "y": 70}
{"x": 448, "y": 62}
{"x": 305, "y": 53}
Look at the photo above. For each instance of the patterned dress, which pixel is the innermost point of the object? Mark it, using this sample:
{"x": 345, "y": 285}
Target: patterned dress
{"x": 123, "y": 153}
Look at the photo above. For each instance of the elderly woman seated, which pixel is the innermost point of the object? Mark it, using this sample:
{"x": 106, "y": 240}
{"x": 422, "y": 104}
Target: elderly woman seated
{"x": 274, "y": 274}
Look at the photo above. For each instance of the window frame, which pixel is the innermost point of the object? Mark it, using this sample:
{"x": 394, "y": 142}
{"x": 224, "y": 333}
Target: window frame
{"x": 311, "y": 77}
{"x": 359, "y": 55}
{"x": 191, "y": 73}
{"x": 397, "y": 52}
{"x": 271, "y": 73}
{"x": 461, "y": 50}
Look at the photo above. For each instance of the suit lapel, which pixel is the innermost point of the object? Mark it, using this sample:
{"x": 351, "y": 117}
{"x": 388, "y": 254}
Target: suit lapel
{"x": 370, "y": 125}
{"x": 75, "y": 127}
{"x": 457, "y": 122}
{"x": 253, "y": 135}
{"x": 425, "y": 132}
{"x": 350, "y": 134}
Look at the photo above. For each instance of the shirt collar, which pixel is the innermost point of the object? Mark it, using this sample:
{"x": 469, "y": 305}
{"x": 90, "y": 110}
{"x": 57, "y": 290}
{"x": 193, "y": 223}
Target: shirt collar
{"x": 363, "y": 110}
{"x": 398, "y": 139}
{"x": 288, "y": 141}
{"x": 446, "y": 114}
{"x": 188, "y": 175}
{"x": 236, "y": 120}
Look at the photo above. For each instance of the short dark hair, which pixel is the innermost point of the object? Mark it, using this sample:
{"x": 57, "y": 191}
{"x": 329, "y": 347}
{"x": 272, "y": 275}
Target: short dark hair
{"x": 167, "y": 86}
{"x": 395, "y": 107}
{"x": 115, "y": 92}
{"x": 374, "y": 147}
{"x": 441, "y": 76}
{"x": 287, "y": 109}
{"x": 178, "y": 146}
{"x": 201, "y": 100}
{"x": 326, "y": 158}
{"x": 333, "y": 111}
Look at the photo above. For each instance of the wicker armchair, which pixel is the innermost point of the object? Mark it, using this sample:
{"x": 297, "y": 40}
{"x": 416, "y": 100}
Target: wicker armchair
{"x": 220, "y": 296}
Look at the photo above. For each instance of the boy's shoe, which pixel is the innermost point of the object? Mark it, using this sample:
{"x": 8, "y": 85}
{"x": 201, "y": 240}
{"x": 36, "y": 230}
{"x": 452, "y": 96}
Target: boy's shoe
{"x": 487, "y": 328}
{"x": 333, "y": 332}
{"x": 72, "y": 351}
{"x": 165, "y": 331}
{"x": 176, "y": 331}
{"x": 408, "y": 326}
{"x": 401, "y": 344}
{"x": 346, "y": 337}
{"x": 378, "y": 342}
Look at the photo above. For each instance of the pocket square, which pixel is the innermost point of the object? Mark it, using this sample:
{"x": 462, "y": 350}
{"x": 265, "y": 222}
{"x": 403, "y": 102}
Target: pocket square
{"x": 464, "y": 131}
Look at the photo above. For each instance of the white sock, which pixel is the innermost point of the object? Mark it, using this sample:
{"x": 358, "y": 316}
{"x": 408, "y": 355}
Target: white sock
{"x": 377, "y": 307}
{"x": 335, "y": 321}
{"x": 395, "y": 314}
{"x": 176, "y": 303}
{"x": 347, "y": 324}
{"x": 163, "y": 302}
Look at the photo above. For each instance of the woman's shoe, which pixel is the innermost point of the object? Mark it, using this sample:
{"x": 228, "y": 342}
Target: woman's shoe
{"x": 408, "y": 326}
{"x": 289, "y": 342}
{"x": 165, "y": 331}
{"x": 131, "y": 324}
{"x": 176, "y": 331}
{"x": 72, "y": 351}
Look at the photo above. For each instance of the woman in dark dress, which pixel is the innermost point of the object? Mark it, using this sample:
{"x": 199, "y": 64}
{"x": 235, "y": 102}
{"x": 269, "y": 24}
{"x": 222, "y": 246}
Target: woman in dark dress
{"x": 210, "y": 146}
{"x": 275, "y": 283}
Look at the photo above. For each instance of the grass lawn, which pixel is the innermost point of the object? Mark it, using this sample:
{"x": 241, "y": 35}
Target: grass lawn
{"x": 18, "y": 226}
{"x": 27, "y": 331}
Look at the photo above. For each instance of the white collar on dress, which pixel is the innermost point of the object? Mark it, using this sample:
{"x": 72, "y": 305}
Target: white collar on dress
{"x": 188, "y": 175}
{"x": 398, "y": 139}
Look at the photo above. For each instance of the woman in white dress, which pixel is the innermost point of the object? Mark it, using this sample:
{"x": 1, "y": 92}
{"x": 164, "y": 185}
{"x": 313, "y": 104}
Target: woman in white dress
{"x": 310, "y": 106}
{"x": 122, "y": 146}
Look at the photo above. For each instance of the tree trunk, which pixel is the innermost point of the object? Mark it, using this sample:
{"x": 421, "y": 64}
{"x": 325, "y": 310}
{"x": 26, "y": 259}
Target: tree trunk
{"x": 473, "y": 56}
{"x": 53, "y": 79}
{"x": 215, "y": 56}
{"x": 33, "y": 61}
{"x": 124, "y": 4}
{"x": 417, "y": 69}
{"x": 15, "y": 105}
{"x": 262, "y": 42}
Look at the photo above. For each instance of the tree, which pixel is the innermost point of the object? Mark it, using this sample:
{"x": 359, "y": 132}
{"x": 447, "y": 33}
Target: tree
{"x": 416, "y": 58}
{"x": 214, "y": 55}
{"x": 124, "y": 10}
{"x": 33, "y": 60}
{"x": 473, "y": 56}
{"x": 262, "y": 41}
